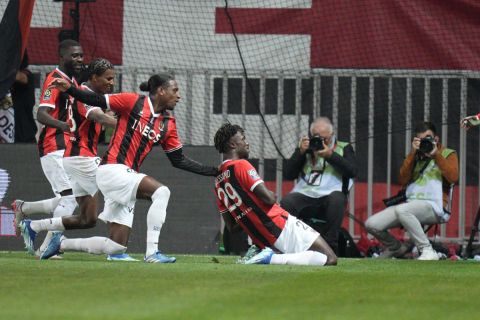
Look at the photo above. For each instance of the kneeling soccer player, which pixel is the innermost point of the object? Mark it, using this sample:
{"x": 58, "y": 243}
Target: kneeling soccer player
{"x": 244, "y": 199}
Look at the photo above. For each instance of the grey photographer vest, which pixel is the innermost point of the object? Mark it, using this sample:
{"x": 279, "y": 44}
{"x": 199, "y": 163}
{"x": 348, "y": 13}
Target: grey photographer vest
{"x": 429, "y": 186}
{"x": 321, "y": 179}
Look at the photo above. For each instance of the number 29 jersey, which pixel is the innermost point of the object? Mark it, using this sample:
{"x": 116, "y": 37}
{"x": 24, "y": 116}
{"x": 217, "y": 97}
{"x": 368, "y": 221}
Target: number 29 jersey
{"x": 234, "y": 189}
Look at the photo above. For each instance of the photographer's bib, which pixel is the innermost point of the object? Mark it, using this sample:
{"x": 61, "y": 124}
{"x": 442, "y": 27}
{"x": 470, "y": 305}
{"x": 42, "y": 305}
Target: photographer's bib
{"x": 429, "y": 186}
{"x": 321, "y": 179}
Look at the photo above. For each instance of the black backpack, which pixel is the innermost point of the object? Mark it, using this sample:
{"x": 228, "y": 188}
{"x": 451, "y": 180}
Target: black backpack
{"x": 346, "y": 245}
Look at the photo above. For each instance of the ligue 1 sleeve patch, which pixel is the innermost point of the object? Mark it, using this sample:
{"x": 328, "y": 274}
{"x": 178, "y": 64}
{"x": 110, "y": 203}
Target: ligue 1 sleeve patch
{"x": 253, "y": 174}
{"x": 47, "y": 94}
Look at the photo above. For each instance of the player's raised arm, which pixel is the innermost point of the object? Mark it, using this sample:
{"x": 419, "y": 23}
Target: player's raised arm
{"x": 84, "y": 96}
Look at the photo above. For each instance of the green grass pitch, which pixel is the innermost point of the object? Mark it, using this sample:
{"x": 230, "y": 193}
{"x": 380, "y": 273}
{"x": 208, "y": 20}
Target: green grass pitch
{"x": 83, "y": 286}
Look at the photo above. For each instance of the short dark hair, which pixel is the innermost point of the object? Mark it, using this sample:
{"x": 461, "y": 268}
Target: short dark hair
{"x": 224, "y": 134}
{"x": 424, "y": 126}
{"x": 157, "y": 80}
{"x": 98, "y": 67}
{"x": 65, "y": 45}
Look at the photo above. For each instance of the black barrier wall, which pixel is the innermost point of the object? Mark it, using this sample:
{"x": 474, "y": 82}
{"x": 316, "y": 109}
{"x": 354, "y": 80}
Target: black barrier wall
{"x": 192, "y": 221}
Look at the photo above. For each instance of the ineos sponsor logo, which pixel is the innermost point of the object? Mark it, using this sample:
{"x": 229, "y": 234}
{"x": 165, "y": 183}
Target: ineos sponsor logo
{"x": 146, "y": 130}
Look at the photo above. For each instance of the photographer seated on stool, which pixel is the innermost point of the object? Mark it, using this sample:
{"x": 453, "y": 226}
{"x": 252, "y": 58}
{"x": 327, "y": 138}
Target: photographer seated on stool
{"x": 426, "y": 174}
{"x": 324, "y": 168}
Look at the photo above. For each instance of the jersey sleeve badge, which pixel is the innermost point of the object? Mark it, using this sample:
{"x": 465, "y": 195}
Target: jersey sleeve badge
{"x": 47, "y": 94}
{"x": 253, "y": 174}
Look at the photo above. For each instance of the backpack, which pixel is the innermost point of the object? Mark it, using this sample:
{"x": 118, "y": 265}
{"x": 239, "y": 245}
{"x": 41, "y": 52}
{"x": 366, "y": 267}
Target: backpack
{"x": 346, "y": 245}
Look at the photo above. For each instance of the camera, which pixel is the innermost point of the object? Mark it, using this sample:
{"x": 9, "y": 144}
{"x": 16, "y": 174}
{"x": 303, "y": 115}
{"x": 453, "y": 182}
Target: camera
{"x": 397, "y": 199}
{"x": 426, "y": 145}
{"x": 316, "y": 143}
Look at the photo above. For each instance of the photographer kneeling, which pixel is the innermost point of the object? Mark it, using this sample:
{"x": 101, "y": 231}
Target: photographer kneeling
{"x": 426, "y": 175}
{"x": 324, "y": 168}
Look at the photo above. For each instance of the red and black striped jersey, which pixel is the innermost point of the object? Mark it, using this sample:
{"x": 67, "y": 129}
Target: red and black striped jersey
{"x": 52, "y": 139}
{"x": 234, "y": 189}
{"x": 138, "y": 129}
{"x": 85, "y": 133}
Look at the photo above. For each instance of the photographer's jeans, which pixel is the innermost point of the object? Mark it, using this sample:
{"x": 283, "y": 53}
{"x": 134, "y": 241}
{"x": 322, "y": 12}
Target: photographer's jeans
{"x": 411, "y": 215}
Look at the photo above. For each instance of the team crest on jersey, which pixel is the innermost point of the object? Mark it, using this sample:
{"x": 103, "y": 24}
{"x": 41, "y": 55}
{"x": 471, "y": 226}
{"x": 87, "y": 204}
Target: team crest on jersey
{"x": 253, "y": 174}
{"x": 47, "y": 94}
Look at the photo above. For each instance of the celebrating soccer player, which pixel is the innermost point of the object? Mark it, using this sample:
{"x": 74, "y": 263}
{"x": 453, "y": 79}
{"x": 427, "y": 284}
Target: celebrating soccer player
{"x": 143, "y": 120}
{"x": 244, "y": 200}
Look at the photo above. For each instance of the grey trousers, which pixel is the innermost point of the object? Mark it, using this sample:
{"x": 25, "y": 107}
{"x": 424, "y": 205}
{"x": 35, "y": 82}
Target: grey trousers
{"x": 411, "y": 215}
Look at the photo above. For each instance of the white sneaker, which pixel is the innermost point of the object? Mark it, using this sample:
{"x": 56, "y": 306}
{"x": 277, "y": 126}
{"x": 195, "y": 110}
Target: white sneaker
{"x": 428, "y": 254}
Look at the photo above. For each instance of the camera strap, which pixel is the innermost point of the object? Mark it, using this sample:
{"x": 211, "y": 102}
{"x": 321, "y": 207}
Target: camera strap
{"x": 420, "y": 173}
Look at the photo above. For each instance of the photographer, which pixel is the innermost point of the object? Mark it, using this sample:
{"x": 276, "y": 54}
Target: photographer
{"x": 426, "y": 175}
{"x": 324, "y": 168}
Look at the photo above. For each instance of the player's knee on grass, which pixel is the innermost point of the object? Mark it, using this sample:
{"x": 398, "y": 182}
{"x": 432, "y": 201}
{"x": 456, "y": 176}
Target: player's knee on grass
{"x": 322, "y": 246}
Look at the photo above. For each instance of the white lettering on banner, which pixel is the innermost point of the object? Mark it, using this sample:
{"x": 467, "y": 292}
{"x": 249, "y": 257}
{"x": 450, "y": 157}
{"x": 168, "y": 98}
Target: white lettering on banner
{"x": 7, "y": 126}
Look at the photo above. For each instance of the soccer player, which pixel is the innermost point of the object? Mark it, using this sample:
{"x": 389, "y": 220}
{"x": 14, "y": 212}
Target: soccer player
{"x": 54, "y": 137}
{"x": 81, "y": 162}
{"x": 143, "y": 121}
{"x": 244, "y": 201}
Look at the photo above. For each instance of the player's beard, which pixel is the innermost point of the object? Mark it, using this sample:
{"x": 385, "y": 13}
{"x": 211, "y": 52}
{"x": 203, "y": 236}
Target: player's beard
{"x": 72, "y": 71}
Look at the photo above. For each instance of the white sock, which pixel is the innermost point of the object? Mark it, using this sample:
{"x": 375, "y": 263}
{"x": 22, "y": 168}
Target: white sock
{"x": 156, "y": 217}
{"x": 53, "y": 224}
{"x": 40, "y": 207}
{"x": 65, "y": 207}
{"x": 93, "y": 245}
{"x": 305, "y": 258}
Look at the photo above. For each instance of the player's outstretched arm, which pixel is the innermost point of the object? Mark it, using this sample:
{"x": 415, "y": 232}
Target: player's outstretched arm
{"x": 180, "y": 161}
{"x": 85, "y": 96}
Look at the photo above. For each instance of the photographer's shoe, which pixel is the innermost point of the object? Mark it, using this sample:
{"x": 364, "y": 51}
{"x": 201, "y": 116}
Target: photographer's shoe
{"x": 428, "y": 254}
{"x": 389, "y": 254}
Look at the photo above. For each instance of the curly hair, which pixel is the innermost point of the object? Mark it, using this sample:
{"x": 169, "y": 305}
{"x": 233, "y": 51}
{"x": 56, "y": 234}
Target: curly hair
{"x": 98, "y": 67}
{"x": 223, "y": 135}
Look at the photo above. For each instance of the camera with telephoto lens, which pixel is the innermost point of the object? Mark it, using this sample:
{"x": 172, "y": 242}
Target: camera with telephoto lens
{"x": 316, "y": 144}
{"x": 426, "y": 145}
{"x": 400, "y": 197}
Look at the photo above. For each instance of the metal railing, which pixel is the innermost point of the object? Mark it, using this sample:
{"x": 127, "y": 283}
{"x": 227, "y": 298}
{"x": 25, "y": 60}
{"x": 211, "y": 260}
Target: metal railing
{"x": 198, "y": 121}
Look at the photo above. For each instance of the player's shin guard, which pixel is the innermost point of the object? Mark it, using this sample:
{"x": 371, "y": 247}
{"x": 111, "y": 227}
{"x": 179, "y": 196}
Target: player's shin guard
{"x": 306, "y": 258}
{"x": 93, "y": 245}
{"x": 66, "y": 206}
{"x": 156, "y": 217}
